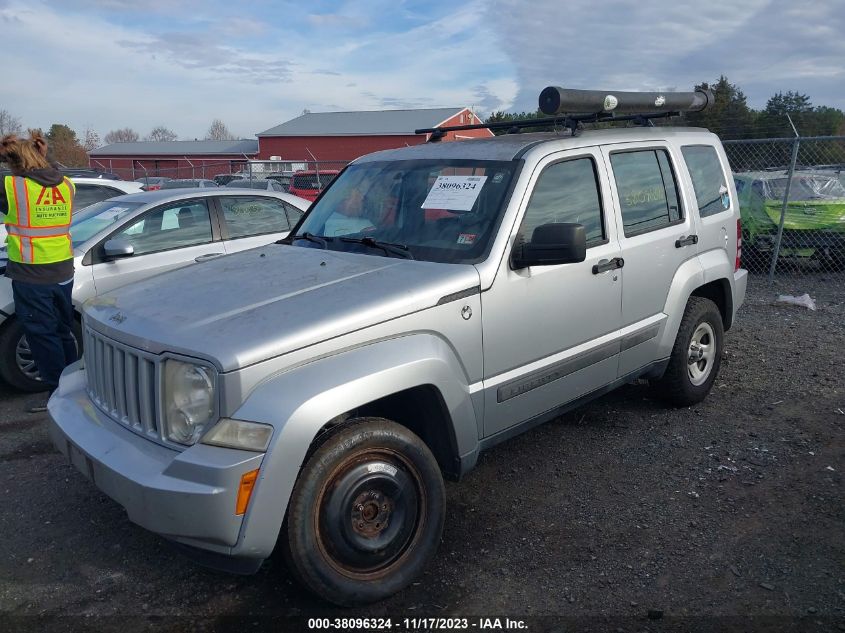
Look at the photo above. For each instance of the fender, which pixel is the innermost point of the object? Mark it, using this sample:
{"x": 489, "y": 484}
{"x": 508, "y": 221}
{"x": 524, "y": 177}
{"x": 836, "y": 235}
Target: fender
{"x": 688, "y": 277}
{"x": 299, "y": 402}
{"x": 717, "y": 267}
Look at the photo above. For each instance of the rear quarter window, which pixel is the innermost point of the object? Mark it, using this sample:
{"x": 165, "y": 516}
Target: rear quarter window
{"x": 708, "y": 179}
{"x": 648, "y": 193}
{"x": 89, "y": 194}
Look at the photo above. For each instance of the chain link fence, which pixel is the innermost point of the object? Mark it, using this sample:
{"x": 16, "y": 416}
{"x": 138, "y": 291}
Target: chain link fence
{"x": 222, "y": 171}
{"x": 792, "y": 201}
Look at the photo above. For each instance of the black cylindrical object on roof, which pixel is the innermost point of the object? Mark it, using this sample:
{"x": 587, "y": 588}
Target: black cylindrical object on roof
{"x": 555, "y": 100}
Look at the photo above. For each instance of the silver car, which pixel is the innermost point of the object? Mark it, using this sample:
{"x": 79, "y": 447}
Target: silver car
{"x": 436, "y": 300}
{"x": 132, "y": 237}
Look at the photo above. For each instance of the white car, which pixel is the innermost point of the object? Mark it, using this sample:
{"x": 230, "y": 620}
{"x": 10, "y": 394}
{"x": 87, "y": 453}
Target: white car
{"x": 136, "y": 236}
{"x": 91, "y": 190}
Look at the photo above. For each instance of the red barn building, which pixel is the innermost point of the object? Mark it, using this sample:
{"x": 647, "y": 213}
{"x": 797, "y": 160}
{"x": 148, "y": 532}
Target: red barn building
{"x": 174, "y": 159}
{"x": 327, "y": 139}
{"x": 344, "y": 136}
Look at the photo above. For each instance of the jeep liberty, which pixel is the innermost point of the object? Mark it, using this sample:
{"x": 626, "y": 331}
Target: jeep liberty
{"x": 311, "y": 395}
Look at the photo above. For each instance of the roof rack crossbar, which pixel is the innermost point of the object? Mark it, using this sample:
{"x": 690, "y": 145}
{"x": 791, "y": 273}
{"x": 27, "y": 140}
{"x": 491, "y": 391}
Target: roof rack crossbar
{"x": 571, "y": 122}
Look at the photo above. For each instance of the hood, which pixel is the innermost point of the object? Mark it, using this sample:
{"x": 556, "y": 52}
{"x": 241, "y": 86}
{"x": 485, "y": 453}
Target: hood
{"x": 809, "y": 214}
{"x": 46, "y": 176}
{"x": 244, "y": 308}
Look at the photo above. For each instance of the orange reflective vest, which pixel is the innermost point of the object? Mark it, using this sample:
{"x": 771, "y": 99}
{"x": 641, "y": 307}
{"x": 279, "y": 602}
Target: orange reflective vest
{"x": 38, "y": 220}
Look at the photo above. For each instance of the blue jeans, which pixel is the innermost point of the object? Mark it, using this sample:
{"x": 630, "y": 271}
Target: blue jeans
{"x": 45, "y": 312}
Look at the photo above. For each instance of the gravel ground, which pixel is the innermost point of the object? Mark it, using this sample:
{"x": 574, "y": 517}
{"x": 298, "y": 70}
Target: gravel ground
{"x": 623, "y": 515}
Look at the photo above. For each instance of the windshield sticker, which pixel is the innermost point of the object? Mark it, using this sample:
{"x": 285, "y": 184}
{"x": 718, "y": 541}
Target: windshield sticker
{"x": 466, "y": 238}
{"x": 498, "y": 177}
{"x": 456, "y": 193}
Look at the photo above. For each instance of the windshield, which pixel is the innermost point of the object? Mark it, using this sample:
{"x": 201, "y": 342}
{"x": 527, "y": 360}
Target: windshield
{"x": 312, "y": 180}
{"x": 805, "y": 188}
{"x": 96, "y": 217}
{"x": 442, "y": 211}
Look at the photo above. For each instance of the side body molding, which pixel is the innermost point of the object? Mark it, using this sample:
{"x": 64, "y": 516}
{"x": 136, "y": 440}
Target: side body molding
{"x": 299, "y": 402}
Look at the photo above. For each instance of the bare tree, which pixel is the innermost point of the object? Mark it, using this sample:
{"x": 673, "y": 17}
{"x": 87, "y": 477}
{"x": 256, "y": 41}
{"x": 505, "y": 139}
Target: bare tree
{"x": 9, "y": 124}
{"x": 124, "y": 135}
{"x": 219, "y": 132}
{"x": 161, "y": 133}
{"x": 91, "y": 139}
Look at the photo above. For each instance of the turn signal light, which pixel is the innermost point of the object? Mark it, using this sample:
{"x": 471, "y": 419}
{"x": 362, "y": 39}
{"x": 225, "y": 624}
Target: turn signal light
{"x": 245, "y": 490}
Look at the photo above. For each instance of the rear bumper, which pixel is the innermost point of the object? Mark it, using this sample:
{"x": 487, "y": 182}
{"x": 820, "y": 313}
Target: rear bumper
{"x": 186, "y": 496}
{"x": 740, "y": 286}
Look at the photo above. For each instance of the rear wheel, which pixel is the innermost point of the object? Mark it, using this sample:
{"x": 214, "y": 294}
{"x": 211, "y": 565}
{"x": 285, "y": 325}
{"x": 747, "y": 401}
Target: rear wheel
{"x": 696, "y": 355}
{"x": 833, "y": 260}
{"x": 366, "y": 513}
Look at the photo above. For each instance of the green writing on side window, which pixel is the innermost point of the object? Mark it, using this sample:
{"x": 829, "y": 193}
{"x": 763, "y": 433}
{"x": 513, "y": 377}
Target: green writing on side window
{"x": 642, "y": 196}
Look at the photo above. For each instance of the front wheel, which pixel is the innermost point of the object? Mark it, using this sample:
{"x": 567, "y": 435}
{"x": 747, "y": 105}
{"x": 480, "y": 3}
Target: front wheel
{"x": 696, "y": 355}
{"x": 17, "y": 366}
{"x": 366, "y": 513}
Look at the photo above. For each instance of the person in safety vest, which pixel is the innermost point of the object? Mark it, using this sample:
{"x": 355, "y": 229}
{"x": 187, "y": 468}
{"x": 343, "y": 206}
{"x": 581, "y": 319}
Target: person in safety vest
{"x": 39, "y": 204}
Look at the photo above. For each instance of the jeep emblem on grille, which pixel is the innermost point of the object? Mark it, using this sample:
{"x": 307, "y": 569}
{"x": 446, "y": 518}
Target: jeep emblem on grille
{"x": 117, "y": 317}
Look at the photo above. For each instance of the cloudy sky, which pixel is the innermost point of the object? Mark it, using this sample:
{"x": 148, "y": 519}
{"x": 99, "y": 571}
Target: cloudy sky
{"x": 107, "y": 64}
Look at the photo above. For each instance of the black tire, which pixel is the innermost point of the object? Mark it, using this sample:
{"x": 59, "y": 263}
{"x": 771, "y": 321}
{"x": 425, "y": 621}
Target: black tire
{"x": 16, "y": 366}
{"x": 833, "y": 261}
{"x": 686, "y": 382}
{"x": 366, "y": 513}
{"x": 754, "y": 260}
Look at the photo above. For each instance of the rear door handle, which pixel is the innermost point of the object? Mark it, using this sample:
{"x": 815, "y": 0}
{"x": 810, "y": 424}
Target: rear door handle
{"x": 207, "y": 256}
{"x": 689, "y": 240}
{"x": 610, "y": 264}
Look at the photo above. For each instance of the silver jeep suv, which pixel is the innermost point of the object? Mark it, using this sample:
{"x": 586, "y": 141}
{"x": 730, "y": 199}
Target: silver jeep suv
{"x": 435, "y": 300}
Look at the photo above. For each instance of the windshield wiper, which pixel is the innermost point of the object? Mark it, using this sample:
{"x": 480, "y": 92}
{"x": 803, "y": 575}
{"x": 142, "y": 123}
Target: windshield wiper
{"x": 389, "y": 248}
{"x": 317, "y": 239}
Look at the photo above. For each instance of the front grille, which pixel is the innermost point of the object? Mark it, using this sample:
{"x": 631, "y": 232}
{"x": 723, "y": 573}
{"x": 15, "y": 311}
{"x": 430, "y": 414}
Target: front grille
{"x": 122, "y": 382}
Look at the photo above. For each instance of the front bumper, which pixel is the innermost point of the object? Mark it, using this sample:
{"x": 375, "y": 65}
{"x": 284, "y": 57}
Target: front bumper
{"x": 187, "y": 496}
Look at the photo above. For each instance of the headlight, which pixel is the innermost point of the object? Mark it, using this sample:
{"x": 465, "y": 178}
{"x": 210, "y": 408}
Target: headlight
{"x": 248, "y": 436}
{"x": 188, "y": 400}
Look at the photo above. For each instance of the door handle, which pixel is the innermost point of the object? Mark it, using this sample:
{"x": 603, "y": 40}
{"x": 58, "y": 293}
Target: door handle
{"x": 686, "y": 241}
{"x": 610, "y": 264}
{"x": 207, "y": 256}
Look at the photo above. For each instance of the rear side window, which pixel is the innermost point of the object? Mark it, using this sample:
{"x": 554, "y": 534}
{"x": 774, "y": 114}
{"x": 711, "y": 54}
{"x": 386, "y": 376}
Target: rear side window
{"x": 707, "y": 177}
{"x": 648, "y": 192}
{"x": 566, "y": 192}
{"x": 254, "y": 216}
{"x": 89, "y": 194}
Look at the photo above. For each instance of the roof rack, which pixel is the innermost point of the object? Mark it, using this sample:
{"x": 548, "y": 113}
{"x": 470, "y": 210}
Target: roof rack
{"x": 570, "y": 108}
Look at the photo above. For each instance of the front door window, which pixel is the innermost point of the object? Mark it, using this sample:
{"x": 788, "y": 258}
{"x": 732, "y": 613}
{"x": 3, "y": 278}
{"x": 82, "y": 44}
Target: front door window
{"x": 185, "y": 224}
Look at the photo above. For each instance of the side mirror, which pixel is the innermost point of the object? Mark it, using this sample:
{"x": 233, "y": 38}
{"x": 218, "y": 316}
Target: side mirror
{"x": 115, "y": 249}
{"x": 552, "y": 244}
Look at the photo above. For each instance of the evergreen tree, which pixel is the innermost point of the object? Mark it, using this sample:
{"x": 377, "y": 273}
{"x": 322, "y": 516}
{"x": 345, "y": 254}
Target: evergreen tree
{"x": 65, "y": 148}
{"x": 730, "y": 117}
